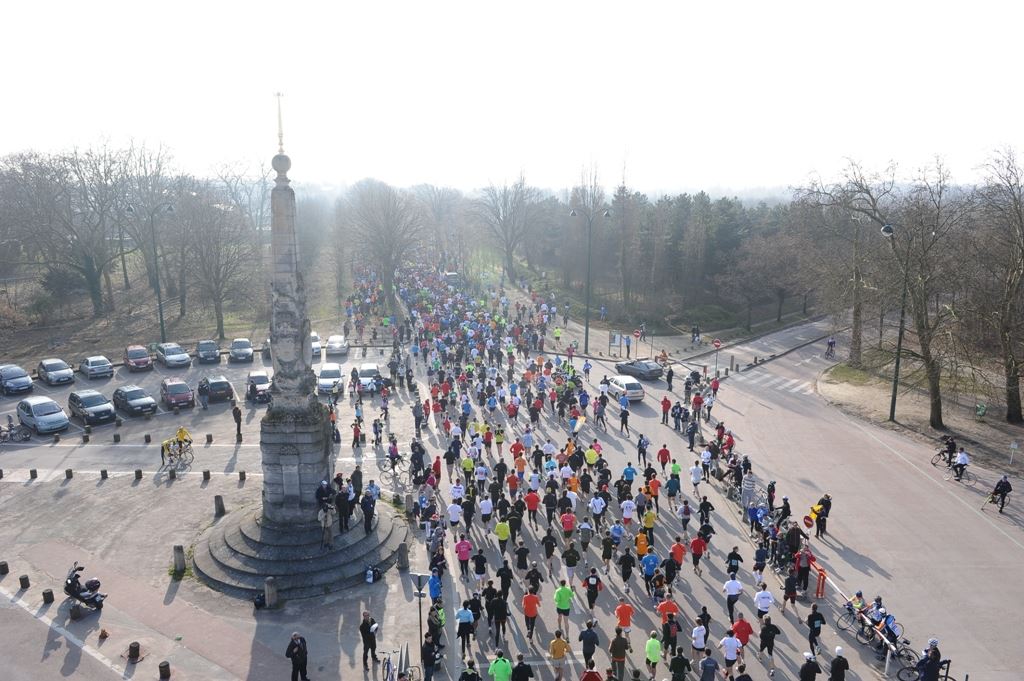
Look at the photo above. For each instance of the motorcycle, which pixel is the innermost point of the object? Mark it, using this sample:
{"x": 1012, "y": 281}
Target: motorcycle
{"x": 89, "y": 594}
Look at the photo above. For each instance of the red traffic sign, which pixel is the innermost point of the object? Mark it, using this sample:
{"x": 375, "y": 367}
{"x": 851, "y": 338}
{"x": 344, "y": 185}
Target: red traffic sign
{"x": 808, "y": 522}
{"x": 717, "y": 343}
{"x": 636, "y": 333}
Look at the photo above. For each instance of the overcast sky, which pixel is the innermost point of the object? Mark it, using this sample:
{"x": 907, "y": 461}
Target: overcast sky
{"x": 675, "y": 95}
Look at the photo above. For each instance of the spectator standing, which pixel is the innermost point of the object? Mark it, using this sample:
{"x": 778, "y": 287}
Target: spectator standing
{"x": 298, "y": 653}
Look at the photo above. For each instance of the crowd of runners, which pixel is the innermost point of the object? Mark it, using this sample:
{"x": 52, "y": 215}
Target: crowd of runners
{"x": 517, "y": 505}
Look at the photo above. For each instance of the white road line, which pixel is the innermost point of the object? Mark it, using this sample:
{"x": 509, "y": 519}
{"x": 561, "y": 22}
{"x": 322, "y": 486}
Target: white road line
{"x": 759, "y": 376}
{"x": 773, "y": 382}
{"x": 68, "y": 636}
{"x": 788, "y": 384}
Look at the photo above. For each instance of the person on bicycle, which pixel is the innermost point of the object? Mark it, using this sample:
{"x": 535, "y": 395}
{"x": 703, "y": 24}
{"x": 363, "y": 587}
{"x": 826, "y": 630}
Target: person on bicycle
{"x": 1002, "y": 488}
{"x": 950, "y": 449}
{"x": 961, "y": 463}
{"x": 830, "y": 349}
{"x": 183, "y": 437}
{"x": 930, "y": 666}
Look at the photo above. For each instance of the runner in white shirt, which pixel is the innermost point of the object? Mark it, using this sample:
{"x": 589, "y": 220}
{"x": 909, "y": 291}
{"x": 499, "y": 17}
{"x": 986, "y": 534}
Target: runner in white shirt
{"x": 733, "y": 588}
{"x": 628, "y": 508}
{"x": 597, "y": 505}
{"x": 731, "y": 647}
{"x": 566, "y": 472}
{"x": 535, "y": 481}
{"x": 456, "y": 431}
{"x": 699, "y": 638}
{"x": 458, "y": 491}
{"x": 696, "y": 475}
{"x": 573, "y": 498}
{"x": 549, "y": 449}
{"x": 763, "y": 601}
{"x": 454, "y": 513}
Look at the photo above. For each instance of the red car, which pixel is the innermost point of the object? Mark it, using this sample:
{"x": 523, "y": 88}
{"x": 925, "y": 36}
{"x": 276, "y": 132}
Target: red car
{"x": 136, "y": 358}
{"x": 175, "y": 392}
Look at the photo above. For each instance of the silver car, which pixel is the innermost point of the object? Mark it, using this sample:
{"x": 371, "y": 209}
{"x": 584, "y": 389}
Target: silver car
{"x": 172, "y": 355}
{"x": 627, "y": 385}
{"x": 55, "y": 371}
{"x": 96, "y": 366}
{"x": 315, "y": 345}
{"x": 14, "y": 379}
{"x": 337, "y": 345}
{"x": 330, "y": 373}
{"x": 241, "y": 350}
{"x": 42, "y": 415}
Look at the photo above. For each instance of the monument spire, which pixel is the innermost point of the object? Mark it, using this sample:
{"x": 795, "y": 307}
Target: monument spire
{"x": 280, "y": 127}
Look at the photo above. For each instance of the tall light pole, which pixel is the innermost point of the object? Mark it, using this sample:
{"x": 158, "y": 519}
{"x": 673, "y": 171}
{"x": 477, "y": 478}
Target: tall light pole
{"x": 159, "y": 208}
{"x": 889, "y": 233}
{"x": 589, "y": 215}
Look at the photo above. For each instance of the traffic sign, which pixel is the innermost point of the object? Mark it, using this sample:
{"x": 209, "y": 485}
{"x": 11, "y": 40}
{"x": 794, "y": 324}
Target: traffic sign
{"x": 717, "y": 343}
{"x": 636, "y": 333}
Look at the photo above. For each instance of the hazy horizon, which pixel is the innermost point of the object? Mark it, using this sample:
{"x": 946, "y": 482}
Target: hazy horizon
{"x": 746, "y": 100}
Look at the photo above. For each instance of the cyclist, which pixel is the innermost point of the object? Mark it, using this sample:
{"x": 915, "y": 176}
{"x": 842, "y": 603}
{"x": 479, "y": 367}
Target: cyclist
{"x": 166, "y": 450}
{"x": 830, "y": 349}
{"x": 1002, "y": 488}
{"x": 961, "y": 463}
{"x": 183, "y": 437}
{"x": 950, "y": 449}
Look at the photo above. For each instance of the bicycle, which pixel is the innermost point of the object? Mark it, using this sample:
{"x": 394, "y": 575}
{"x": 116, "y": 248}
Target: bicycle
{"x": 13, "y": 433}
{"x": 910, "y": 672}
{"x": 968, "y": 478}
{"x": 848, "y": 619}
{"x": 389, "y": 670}
{"x": 180, "y": 456}
{"x": 941, "y": 457}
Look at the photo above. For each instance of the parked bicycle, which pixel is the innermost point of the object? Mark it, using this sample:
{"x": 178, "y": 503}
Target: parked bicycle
{"x": 911, "y": 672}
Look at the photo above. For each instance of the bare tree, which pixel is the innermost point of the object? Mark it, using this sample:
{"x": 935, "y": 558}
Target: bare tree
{"x": 508, "y": 214}
{"x": 389, "y": 223}
{"x": 441, "y": 208}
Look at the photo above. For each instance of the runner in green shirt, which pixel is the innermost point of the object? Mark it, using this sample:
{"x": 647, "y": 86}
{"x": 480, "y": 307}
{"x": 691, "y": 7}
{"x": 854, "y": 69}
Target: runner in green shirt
{"x": 652, "y": 651}
{"x": 563, "y": 603}
{"x": 501, "y": 668}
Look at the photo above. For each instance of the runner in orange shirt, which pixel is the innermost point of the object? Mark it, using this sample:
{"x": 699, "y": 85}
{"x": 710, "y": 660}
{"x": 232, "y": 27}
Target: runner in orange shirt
{"x": 667, "y": 606}
{"x": 654, "y": 486}
{"x": 678, "y": 551}
{"x": 624, "y": 615}
{"x": 531, "y": 604}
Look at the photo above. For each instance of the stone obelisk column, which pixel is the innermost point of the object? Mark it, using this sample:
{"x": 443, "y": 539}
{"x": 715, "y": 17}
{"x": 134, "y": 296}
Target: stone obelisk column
{"x": 295, "y": 442}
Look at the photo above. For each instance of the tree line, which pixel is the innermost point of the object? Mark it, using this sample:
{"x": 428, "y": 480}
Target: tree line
{"x": 84, "y": 219}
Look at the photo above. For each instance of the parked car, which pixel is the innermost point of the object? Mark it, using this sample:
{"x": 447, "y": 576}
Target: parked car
{"x": 96, "y": 366}
{"x": 646, "y": 369}
{"x": 262, "y": 383}
{"x": 219, "y": 388}
{"x": 367, "y": 373}
{"x": 91, "y": 406}
{"x": 172, "y": 355}
{"x": 315, "y": 345}
{"x": 14, "y": 379}
{"x": 175, "y": 392}
{"x": 134, "y": 400}
{"x": 136, "y": 358}
{"x": 55, "y": 371}
{"x": 241, "y": 350}
{"x": 617, "y": 385}
{"x": 330, "y": 373}
{"x": 42, "y": 415}
{"x": 208, "y": 351}
{"x": 337, "y": 345}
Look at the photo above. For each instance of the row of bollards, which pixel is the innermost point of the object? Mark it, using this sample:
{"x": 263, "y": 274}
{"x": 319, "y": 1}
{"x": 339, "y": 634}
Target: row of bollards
{"x": 147, "y": 438}
{"x": 172, "y": 474}
{"x": 134, "y": 653}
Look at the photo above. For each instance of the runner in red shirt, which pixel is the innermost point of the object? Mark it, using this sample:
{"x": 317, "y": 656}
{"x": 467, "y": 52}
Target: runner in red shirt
{"x": 667, "y": 606}
{"x": 741, "y": 629}
{"x": 624, "y": 614}
{"x": 664, "y": 456}
{"x": 678, "y": 551}
{"x": 697, "y": 548}
{"x": 531, "y": 606}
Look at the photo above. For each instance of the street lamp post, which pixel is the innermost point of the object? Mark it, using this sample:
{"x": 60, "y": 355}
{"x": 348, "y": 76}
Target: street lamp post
{"x": 160, "y": 208}
{"x": 889, "y": 233}
{"x": 586, "y": 310}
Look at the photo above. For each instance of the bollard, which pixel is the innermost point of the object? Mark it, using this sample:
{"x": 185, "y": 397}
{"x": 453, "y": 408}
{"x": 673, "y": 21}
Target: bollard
{"x": 409, "y": 505}
{"x": 68, "y": 474}
{"x": 118, "y": 422}
{"x": 138, "y": 474}
{"x": 402, "y": 561}
{"x": 218, "y": 506}
{"x": 147, "y": 438}
{"x": 47, "y": 595}
{"x": 177, "y": 411}
{"x": 206, "y": 475}
{"x": 117, "y": 438}
{"x": 88, "y": 429}
{"x": 732, "y": 361}
{"x": 172, "y": 474}
{"x": 56, "y": 438}
{"x": 149, "y": 416}
{"x": 4, "y": 569}
{"x": 179, "y": 559}
{"x": 1, "y": 473}
{"x": 85, "y": 438}
{"x": 103, "y": 474}
{"x": 165, "y": 669}
{"x": 23, "y": 581}
{"x": 727, "y": 373}
{"x": 241, "y": 476}
{"x": 76, "y": 612}
{"x": 133, "y": 651}
{"x": 209, "y": 438}
{"x": 270, "y": 591}
{"x": 32, "y": 474}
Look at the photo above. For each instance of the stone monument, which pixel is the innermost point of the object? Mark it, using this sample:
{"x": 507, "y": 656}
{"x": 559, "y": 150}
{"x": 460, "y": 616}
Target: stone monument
{"x": 281, "y": 537}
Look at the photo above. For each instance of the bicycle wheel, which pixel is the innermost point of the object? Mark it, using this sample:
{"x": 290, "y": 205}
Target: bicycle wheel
{"x": 908, "y": 673}
{"x": 938, "y": 458}
{"x": 948, "y": 475}
{"x": 865, "y": 635}
{"x": 387, "y": 477}
{"x": 907, "y": 656}
{"x": 387, "y": 670}
{"x": 970, "y": 479}
{"x": 188, "y": 456}
{"x": 846, "y": 621}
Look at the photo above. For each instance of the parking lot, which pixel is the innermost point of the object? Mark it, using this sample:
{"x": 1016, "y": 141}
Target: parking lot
{"x": 132, "y": 451}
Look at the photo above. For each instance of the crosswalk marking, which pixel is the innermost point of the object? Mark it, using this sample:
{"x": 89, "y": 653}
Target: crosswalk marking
{"x": 780, "y": 383}
{"x": 788, "y": 384}
{"x": 774, "y": 382}
{"x": 803, "y": 387}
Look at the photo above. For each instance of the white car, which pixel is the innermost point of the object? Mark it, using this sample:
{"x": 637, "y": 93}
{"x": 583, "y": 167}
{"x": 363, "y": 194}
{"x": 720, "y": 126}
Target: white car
{"x": 315, "y": 346}
{"x": 96, "y": 366}
{"x": 367, "y": 373}
{"x": 330, "y": 373}
{"x": 619, "y": 385}
{"x": 42, "y": 415}
{"x": 172, "y": 355}
{"x": 337, "y": 345}
{"x": 241, "y": 350}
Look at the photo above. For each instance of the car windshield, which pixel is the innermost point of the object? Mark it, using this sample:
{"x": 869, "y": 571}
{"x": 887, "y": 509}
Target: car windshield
{"x": 314, "y": 337}
{"x": 99, "y": 362}
{"x": 240, "y": 345}
{"x": 206, "y": 346}
{"x": 219, "y": 384}
{"x": 136, "y": 394}
{"x": 259, "y": 379}
{"x": 336, "y": 340}
{"x": 93, "y": 400}
{"x": 46, "y": 408}
{"x": 173, "y": 350}
{"x": 177, "y": 388}
{"x": 630, "y": 385}
{"x": 55, "y": 365}
{"x": 330, "y": 373}
{"x": 367, "y": 373}
{"x": 13, "y": 372}
{"x": 137, "y": 353}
